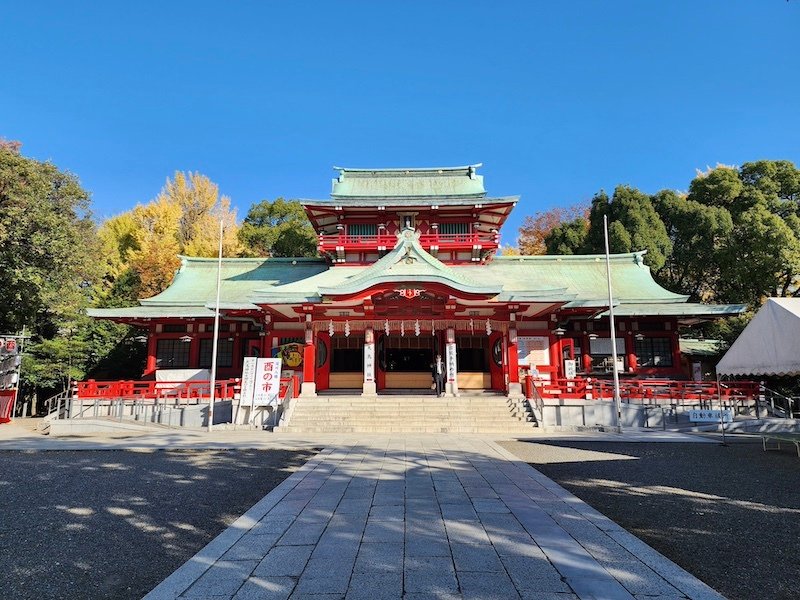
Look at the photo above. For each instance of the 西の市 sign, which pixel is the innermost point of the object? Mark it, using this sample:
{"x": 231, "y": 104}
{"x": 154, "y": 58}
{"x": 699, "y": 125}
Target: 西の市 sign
{"x": 268, "y": 382}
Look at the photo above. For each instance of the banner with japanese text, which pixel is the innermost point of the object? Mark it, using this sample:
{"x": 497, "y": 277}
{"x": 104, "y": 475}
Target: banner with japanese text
{"x": 268, "y": 382}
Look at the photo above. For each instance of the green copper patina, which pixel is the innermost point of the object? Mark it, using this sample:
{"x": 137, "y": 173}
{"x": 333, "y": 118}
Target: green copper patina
{"x": 462, "y": 182}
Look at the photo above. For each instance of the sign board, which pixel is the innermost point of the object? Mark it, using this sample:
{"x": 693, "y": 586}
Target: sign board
{"x": 268, "y": 382}
{"x": 369, "y": 363}
{"x": 451, "y": 363}
{"x": 248, "y": 379}
{"x": 570, "y": 368}
{"x": 534, "y": 350}
{"x": 711, "y": 416}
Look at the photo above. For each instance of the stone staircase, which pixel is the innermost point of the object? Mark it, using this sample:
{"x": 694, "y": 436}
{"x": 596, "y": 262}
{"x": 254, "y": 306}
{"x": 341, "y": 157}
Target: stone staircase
{"x": 491, "y": 414}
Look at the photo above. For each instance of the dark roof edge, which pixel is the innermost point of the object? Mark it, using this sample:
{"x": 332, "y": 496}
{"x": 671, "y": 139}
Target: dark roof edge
{"x": 388, "y": 200}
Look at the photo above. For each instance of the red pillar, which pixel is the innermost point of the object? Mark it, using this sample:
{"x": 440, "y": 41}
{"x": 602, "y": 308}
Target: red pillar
{"x": 630, "y": 350}
{"x": 676, "y": 352}
{"x": 587, "y": 354}
{"x": 194, "y": 352}
{"x": 152, "y": 340}
{"x": 309, "y": 358}
{"x": 513, "y": 358}
{"x": 555, "y": 356}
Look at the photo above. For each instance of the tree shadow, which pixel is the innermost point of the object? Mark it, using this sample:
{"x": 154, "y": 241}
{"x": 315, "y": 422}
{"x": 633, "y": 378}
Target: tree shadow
{"x": 728, "y": 514}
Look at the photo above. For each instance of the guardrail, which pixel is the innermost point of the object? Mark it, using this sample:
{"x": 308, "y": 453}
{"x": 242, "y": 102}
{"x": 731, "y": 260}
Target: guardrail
{"x": 645, "y": 391}
{"x": 389, "y": 240}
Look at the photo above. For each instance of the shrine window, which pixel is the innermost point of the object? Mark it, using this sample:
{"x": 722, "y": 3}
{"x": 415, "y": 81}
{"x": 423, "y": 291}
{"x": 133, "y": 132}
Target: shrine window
{"x": 174, "y": 328}
{"x": 347, "y": 354}
{"x": 472, "y": 353}
{"x": 362, "y": 229}
{"x": 224, "y": 353}
{"x": 454, "y": 228}
{"x": 654, "y": 352}
{"x": 602, "y": 357}
{"x": 172, "y": 354}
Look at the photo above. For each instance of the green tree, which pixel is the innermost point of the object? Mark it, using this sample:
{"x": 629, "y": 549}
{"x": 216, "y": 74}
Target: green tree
{"x": 568, "y": 237}
{"x": 633, "y": 224}
{"x": 48, "y": 263}
{"x": 278, "y": 228}
{"x": 699, "y": 235}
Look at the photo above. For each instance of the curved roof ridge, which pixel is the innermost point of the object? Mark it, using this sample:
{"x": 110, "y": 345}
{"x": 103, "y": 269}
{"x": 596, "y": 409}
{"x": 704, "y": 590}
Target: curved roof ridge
{"x": 636, "y": 256}
{"x": 410, "y": 169}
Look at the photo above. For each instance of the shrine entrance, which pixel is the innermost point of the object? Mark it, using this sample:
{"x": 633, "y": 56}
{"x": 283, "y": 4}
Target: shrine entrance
{"x": 405, "y": 362}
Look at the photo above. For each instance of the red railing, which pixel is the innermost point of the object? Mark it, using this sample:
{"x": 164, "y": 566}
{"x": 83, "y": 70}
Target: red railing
{"x": 141, "y": 390}
{"x": 389, "y": 240}
{"x": 224, "y": 389}
{"x": 641, "y": 390}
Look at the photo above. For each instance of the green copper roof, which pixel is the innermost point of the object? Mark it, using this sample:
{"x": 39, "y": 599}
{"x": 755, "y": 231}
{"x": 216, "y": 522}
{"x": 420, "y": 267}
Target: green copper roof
{"x": 569, "y": 281}
{"x": 195, "y": 283}
{"x": 582, "y": 277}
{"x": 152, "y": 312}
{"x": 693, "y": 347}
{"x": 408, "y": 183}
{"x": 687, "y": 309}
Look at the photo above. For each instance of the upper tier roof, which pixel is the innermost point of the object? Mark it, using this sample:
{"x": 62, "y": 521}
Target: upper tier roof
{"x": 446, "y": 182}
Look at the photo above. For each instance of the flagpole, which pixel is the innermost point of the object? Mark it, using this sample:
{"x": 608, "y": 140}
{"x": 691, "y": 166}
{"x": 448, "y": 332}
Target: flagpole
{"x": 215, "y": 343}
{"x": 617, "y": 402}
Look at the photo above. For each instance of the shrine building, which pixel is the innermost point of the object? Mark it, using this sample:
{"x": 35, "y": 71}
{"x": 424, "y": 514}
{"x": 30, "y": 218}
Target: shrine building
{"x": 408, "y": 270}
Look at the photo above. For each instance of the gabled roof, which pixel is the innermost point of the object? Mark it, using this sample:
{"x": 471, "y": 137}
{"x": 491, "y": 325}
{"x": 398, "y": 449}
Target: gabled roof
{"x": 408, "y": 262}
{"x": 566, "y": 281}
{"x": 408, "y": 183}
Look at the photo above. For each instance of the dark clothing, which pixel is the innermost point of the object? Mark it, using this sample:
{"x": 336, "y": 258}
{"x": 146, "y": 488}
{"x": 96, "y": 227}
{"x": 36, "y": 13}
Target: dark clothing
{"x": 438, "y": 377}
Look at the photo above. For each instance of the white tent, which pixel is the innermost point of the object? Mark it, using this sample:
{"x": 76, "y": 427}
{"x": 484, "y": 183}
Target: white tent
{"x": 769, "y": 345}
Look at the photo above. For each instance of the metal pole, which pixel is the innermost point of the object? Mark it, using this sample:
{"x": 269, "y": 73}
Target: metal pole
{"x": 19, "y": 373}
{"x": 721, "y": 417}
{"x": 215, "y": 343}
{"x": 617, "y": 401}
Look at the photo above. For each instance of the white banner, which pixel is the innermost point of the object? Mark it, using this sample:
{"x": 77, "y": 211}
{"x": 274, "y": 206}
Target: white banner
{"x": 452, "y": 370}
{"x": 248, "y": 379}
{"x": 369, "y": 363}
{"x": 267, "y": 382}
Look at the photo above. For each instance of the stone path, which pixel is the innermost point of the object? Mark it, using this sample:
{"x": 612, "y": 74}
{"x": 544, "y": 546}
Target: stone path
{"x": 445, "y": 518}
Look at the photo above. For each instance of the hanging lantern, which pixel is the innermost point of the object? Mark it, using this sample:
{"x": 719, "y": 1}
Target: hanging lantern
{"x": 330, "y": 328}
{"x": 402, "y": 329}
{"x": 416, "y": 328}
{"x": 347, "y": 329}
{"x": 386, "y": 327}
{"x": 488, "y": 327}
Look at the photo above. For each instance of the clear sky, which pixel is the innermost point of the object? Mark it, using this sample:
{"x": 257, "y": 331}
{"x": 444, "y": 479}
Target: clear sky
{"x": 557, "y": 99}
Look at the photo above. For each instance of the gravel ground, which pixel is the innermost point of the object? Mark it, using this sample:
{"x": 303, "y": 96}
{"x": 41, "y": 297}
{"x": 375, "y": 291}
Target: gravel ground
{"x": 113, "y": 524}
{"x": 730, "y": 515}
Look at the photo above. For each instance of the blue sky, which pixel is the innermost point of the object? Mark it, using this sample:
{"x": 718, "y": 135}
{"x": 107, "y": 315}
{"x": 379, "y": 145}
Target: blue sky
{"x": 557, "y": 99}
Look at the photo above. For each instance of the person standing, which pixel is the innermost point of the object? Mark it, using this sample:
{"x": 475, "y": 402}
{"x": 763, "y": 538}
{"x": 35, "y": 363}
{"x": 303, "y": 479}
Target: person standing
{"x": 438, "y": 375}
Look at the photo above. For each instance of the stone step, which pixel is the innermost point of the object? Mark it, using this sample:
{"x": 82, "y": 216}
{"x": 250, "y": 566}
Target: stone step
{"x": 472, "y": 430}
{"x": 409, "y": 414}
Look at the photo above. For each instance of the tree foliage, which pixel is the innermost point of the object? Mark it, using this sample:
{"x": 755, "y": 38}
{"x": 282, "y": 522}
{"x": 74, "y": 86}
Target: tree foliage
{"x": 48, "y": 263}
{"x": 734, "y": 237}
{"x": 141, "y": 246}
{"x": 278, "y": 228}
{"x": 536, "y": 228}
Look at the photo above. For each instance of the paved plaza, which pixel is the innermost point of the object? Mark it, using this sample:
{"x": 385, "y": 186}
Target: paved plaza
{"x": 425, "y": 517}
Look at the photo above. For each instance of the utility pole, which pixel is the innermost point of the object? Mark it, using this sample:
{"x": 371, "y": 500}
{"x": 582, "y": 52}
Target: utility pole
{"x": 617, "y": 401}
{"x": 215, "y": 343}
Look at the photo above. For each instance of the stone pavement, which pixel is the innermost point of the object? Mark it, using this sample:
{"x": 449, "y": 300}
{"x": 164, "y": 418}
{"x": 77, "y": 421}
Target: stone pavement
{"x": 435, "y": 517}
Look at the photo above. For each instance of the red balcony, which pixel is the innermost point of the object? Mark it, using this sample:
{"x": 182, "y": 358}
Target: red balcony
{"x": 387, "y": 241}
